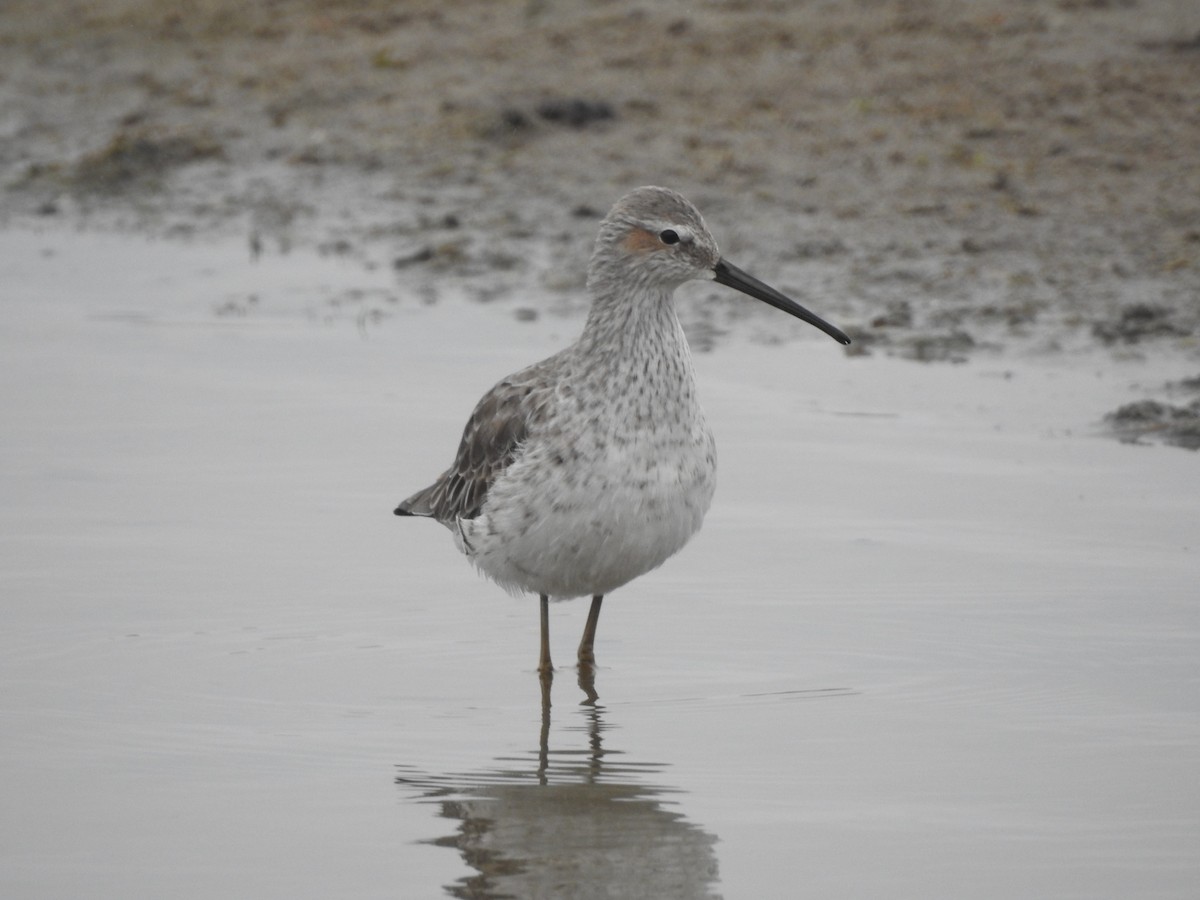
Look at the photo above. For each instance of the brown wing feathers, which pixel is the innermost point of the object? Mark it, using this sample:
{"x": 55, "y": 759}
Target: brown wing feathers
{"x": 489, "y": 443}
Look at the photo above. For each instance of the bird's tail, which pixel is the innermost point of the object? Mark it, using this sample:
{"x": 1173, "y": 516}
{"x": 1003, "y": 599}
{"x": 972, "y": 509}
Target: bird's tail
{"x": 419, "y": 504}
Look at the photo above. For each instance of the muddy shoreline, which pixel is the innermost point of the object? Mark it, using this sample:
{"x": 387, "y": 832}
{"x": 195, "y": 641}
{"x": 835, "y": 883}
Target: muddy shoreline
{"x": 944, "y": 181}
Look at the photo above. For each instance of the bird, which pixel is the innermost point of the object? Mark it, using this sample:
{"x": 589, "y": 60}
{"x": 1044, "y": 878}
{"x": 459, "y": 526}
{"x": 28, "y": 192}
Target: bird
{"x": 582, "y": 472}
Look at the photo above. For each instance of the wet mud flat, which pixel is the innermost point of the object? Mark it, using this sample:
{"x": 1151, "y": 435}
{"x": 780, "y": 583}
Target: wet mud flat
{"x": 944, "y": 181}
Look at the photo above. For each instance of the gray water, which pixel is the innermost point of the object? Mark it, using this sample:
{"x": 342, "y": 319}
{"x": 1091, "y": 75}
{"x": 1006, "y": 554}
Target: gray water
{"x": 937, "y": 639}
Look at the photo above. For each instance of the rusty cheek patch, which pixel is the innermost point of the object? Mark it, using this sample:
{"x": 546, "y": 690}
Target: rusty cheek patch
{"x": 641, "y": 241}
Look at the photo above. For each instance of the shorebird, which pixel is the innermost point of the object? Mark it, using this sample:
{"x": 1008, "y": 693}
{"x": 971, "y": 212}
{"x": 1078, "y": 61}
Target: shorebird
{"x": 582, "y": 472}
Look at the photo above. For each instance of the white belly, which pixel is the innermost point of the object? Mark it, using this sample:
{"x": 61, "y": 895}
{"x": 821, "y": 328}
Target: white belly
{"x": 586, "y": 526}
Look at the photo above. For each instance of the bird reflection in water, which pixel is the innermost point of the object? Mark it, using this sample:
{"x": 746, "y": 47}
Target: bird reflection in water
{"x": 577, "y": 823}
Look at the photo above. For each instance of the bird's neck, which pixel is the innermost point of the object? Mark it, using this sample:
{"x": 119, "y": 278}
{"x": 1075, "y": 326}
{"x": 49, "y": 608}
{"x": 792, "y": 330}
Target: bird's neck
{"x": 634, "y": 356}
{"x": 626, "y": 325}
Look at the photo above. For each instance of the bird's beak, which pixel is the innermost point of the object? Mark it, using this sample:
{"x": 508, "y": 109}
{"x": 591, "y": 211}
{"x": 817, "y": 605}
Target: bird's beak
{"x": 728, "y": 274}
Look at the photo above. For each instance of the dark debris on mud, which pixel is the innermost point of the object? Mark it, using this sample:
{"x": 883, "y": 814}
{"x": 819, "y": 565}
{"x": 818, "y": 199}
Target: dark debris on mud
{"x": 131, "y": 160}
{"x": 1144, "y": 420}
{"x": 1141, "y": 321}
{"x": 1153, "y": 420}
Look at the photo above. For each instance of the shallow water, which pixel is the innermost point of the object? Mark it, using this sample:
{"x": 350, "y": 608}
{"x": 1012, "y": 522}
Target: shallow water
{"x": 936, "y": 639}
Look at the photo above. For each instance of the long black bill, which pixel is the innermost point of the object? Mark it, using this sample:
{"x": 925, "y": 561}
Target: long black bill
{"x": 728, "y": 274}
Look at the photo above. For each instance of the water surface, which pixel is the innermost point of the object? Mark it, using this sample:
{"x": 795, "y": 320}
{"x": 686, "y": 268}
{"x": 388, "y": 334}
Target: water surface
{"x": 936, "y": 639}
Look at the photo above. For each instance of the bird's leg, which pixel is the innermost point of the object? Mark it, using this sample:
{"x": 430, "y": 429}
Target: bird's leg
{"x": 586, "y": 656}
{"x": 587, "y": 684}
{"x": 544, "y": 735}
{"x": 545, "y": 667}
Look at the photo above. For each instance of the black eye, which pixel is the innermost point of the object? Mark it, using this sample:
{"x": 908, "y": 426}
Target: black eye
{"x": 669, "y": 237}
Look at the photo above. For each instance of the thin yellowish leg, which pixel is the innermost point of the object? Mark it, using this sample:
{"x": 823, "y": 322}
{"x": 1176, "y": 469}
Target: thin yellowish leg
{"x": 545, "y": 667}
{"x": 586, "y": 656}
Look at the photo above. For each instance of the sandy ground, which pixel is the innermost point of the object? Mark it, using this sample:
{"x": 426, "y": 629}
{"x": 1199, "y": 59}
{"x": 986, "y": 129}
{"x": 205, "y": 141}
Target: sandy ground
{"x": 942, "y": 178}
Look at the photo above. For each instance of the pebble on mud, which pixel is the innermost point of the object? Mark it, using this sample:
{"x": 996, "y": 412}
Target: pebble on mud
{"x": 571, "y": 113}
{"x": 414, "y": 257}
{"x": 575, "y": 113}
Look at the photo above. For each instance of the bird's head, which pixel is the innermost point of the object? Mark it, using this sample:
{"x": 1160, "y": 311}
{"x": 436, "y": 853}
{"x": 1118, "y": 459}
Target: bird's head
{"x": 654, "y": 238}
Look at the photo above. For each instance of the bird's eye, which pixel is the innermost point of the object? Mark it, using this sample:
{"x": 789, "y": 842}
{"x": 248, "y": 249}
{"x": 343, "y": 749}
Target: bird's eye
{"x": 669, "y": 236}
